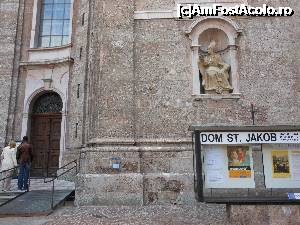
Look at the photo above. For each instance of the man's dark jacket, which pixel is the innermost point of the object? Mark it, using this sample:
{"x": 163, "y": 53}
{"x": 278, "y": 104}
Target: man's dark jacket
{"x": 24, "y": 153}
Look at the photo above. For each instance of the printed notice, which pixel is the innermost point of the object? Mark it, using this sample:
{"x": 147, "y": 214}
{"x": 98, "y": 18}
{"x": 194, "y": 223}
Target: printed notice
{"x": 214, "y": 159}
{"x": 215, "y": 176}
{"x": 295, "y": 163}
{"x": 214, "y": 165}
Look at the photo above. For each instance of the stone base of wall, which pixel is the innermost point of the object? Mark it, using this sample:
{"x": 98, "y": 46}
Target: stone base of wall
{"x": 146, "y": 175}
{"x": 263, "y": 214}
{"x": 134, "y": 189}
{"x": 109, "y": 189}
{"x": 162, "y": 188}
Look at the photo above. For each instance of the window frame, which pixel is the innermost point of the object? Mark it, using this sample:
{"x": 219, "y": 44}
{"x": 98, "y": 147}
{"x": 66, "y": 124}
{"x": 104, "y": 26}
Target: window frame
{"x": 37, "y": 24}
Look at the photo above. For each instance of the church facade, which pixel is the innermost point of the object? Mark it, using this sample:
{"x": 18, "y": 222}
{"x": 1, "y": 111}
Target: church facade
{"x": 117, "y": 84}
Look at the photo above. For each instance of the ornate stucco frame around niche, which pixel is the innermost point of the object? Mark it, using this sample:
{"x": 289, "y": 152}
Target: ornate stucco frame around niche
{"x": 232, "y": 30}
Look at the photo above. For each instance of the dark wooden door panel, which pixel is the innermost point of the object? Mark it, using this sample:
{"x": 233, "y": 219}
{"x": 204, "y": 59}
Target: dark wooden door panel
{"x": 54, "y": 148}
{"x": 40, "y": 131}
{"x": 45, "y": 137}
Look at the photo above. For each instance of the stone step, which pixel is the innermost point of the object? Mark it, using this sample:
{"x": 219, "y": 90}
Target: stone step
{"x": 2, "y": 201}
{"x": 7, "y": 197}
{"x": 5, "y": 200}
{"x": 34, "y": 203}
{"x": 10, "y": 193}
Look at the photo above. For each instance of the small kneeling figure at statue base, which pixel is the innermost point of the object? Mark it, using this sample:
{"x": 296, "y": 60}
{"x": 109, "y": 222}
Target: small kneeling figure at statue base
{"x": 215, "y": 73}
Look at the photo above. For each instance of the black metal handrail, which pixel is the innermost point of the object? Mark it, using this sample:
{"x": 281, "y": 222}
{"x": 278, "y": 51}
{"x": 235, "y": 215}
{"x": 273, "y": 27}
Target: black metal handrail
{"x": 11, "y": 176}
{"x": 55, "y": 176}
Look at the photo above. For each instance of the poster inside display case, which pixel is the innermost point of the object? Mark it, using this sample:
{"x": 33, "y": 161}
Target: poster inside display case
{"x": 281, "y": 165}
{"x": 228, "y": 166}
{"x": 239, "y": 161}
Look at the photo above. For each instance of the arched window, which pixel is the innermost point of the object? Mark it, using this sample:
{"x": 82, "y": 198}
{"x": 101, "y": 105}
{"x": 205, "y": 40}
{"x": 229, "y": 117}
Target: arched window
{"x": 48, "y": 103}
{"x": 54, "y": 26}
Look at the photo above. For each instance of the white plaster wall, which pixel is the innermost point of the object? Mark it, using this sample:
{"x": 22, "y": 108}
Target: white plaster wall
{"x": 59, "y": 74}
{"x": 46, "y": 54}
{"x": 169, "y": 14}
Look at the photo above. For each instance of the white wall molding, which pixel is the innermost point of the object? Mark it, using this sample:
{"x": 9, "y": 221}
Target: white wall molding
{"x": 155, "y": 14}
{"x": 172, "y": 14}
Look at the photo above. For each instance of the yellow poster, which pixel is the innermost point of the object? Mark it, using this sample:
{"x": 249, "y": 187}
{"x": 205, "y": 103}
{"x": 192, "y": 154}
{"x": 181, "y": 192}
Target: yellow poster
{"x": 239, "y": 161}
{"x": 281, "y": 165}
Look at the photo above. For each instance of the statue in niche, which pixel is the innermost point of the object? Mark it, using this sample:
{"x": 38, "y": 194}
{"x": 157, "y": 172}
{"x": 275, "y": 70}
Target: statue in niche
{"x": 215, "y": 72}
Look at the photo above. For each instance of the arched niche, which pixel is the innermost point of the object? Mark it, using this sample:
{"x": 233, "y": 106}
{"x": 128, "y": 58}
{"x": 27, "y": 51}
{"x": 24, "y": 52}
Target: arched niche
{"x": 225, "y": 32}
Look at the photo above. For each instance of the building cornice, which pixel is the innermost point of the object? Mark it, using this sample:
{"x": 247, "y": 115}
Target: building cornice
{"x": 28, "y": 64}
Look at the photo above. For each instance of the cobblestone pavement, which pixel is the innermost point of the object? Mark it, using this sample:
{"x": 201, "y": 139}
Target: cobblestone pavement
{"x": 200, "y": 214}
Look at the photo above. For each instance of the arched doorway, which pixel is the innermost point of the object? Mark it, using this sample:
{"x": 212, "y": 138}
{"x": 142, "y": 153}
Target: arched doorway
{"x": 45, "y": 133}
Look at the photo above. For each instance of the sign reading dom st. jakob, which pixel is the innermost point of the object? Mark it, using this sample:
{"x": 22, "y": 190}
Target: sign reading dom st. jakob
{"x": 249, "y": 137}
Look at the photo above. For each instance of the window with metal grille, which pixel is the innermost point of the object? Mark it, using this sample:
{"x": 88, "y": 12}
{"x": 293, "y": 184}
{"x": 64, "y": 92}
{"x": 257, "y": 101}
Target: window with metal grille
{"x": 54, "y": 23}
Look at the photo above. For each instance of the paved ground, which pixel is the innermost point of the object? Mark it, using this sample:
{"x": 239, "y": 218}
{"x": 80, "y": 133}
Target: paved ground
{"x": 200, "y": 214}
{"x": 146, "y": 215}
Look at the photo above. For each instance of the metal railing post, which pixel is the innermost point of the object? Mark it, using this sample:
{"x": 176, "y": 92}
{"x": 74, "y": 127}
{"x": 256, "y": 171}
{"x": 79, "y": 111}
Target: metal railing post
{"x": 76, "y": 167}
{"x": 28, "y": 182}
{"x": 57, "y": 176}
{"x": 79, "y": 161}
{"x": 52, "y": 195}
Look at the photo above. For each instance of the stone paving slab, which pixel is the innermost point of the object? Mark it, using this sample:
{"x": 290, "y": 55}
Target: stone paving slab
{"x": 33, "y": 203}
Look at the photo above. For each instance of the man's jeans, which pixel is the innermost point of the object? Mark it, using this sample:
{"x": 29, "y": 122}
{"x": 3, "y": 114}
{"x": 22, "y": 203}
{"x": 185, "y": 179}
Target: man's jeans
{"x": 23, "y": 176}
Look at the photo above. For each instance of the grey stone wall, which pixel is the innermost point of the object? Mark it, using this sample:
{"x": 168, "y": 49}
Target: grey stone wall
{"x": 263, "y": 214}
{"x": 135, "y": 98}
{"x": 77, "y": 78}
{"x": 268, "y": 77}
{"x": 139, "y": 101}
{"x": 24, "y": 36}
{"x": 76, "y": 116}
{"x": 111, "y": 74}
{"x": 9, "y": 42}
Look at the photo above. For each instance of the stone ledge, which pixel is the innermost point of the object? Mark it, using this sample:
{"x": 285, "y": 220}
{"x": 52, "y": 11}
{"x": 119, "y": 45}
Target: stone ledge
{"x": 216, "y": 97}
{"x": 109, "y": 148}
{"x": 32, "y": 64}
{"x": 50, "y": 48}
{"x": 138, "y": 141}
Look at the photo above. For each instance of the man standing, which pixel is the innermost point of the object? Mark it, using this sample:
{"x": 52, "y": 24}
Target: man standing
{"x": 24, "y": 158}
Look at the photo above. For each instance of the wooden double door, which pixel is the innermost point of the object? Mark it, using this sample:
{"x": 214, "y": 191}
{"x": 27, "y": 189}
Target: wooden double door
{"x": 45, "y": 138}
